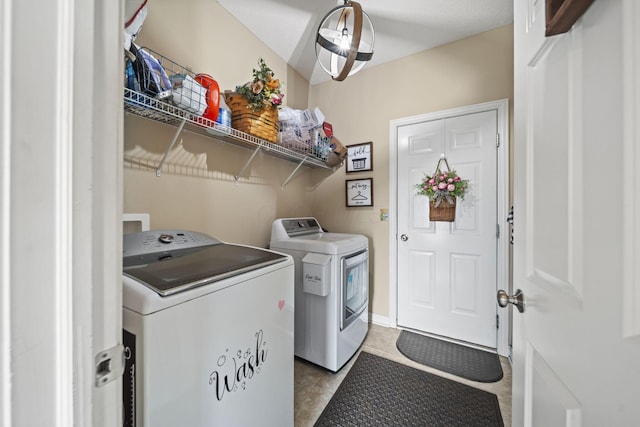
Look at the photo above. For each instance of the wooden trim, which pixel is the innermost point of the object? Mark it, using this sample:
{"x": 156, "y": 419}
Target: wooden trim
{"x": 562, "y": 14}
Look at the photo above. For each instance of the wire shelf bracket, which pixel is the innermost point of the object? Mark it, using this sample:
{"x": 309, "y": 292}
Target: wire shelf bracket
{"x": 246, "y": 165}
{"x": 173, "y": 142}
{"x": 286, "y": 181}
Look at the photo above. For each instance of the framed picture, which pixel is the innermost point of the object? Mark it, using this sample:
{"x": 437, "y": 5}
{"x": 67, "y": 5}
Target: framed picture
{"x": 359, "y": 192}
{"x": 359, "y": 157}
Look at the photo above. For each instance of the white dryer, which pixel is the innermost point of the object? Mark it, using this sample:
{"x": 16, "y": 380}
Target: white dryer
{"x": 208, "y": 332}
{"x": 331, "y": 289}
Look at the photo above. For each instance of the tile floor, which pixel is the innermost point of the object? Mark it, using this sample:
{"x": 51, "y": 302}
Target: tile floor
{"x": 314, "y": 386}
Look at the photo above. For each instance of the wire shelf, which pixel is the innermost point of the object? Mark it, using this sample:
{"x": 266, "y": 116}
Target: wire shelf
{"x": 161, "y": 90}
{"x": 150, "y": 108}
{"x": 307, "y": 141}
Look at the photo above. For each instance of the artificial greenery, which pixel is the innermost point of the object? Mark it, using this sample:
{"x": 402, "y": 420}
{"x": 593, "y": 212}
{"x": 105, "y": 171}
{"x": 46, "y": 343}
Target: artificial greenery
{"x": 264, "y": 90}
{"x": 442, "y": 186}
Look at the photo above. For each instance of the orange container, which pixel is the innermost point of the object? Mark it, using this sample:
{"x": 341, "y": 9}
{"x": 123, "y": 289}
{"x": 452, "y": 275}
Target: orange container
{"x": 213, "y": 96}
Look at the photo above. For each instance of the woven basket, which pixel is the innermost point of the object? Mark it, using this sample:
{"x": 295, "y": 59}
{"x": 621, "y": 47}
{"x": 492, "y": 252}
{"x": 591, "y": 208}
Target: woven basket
{"x": 444, "y": 212}
{"x": 262, "y": 123}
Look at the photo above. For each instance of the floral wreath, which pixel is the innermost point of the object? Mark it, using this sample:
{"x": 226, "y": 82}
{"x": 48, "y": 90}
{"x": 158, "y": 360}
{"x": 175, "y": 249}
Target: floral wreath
{"x": 442, "y": 186}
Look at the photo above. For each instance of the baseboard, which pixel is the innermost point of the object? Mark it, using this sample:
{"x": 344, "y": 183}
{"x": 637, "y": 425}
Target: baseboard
{"x": 381, "y": 320}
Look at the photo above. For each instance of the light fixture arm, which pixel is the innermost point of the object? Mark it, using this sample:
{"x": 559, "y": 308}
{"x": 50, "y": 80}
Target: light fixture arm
{"x": 355, "y": 41}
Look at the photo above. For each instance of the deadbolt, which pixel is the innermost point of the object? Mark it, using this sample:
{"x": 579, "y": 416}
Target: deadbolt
{"x": 404, "y": 237}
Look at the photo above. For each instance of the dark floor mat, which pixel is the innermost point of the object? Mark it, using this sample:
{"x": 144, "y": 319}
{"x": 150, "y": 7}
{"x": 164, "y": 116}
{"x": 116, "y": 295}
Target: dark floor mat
{"x": 380, "y": 392}
{"x": 466, "y": 362}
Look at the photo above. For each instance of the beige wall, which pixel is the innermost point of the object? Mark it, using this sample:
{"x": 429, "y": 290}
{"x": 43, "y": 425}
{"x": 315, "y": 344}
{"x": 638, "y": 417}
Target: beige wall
{"x": 197, "y": 189}
{"x": 469, "y": 71}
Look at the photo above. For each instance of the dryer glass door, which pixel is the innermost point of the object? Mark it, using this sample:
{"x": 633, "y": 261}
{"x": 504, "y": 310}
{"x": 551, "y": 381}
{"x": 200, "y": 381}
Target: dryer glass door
{"x": 354, "y": 286}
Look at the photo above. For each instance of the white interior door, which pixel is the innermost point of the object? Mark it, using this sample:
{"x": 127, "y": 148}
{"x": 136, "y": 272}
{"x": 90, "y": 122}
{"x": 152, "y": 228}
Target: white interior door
{"x": 573, "y": 364}
{"x": 447, "y": 272}
{"x": 60, "y": 207}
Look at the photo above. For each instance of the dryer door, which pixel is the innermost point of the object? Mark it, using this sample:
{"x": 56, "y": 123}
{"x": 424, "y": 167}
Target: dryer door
{"x": 354, "y": 286}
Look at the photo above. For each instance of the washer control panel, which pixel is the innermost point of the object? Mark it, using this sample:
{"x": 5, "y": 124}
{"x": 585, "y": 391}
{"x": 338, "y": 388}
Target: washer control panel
{"x": 148, "y": 242}
{"x": 166, "y": 238}
{"x": 301, "y": 226}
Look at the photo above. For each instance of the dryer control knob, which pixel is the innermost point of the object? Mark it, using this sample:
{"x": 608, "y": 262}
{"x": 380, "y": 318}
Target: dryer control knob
{"x": 165, "y": 238}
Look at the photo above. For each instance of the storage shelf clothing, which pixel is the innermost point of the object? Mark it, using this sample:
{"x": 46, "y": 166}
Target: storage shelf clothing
{"x": 142, "y": 105}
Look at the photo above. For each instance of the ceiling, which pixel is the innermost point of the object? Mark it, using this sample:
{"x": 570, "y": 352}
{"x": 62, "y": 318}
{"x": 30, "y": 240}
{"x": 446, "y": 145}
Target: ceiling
{"x": 402, "y": 27}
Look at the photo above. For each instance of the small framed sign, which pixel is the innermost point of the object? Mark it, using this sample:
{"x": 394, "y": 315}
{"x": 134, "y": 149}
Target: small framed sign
{"x": 359, "y": 157}
{"x": 359, "y": 192}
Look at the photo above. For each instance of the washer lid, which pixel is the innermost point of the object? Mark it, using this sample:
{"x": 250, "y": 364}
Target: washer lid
{"x": 170, "y": 272}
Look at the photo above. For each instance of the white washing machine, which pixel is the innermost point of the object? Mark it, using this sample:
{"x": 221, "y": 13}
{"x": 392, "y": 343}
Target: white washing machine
{"x": 208, "y": 332}
{"x": 331, "y": 289}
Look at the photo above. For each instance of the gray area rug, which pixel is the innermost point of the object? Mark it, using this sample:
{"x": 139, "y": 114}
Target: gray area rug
{"x": 465, "y": 362}
{"x": 380, "y": 392}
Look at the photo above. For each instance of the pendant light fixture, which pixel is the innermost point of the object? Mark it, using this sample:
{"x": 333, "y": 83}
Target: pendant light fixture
{"x": 344, "y": 42}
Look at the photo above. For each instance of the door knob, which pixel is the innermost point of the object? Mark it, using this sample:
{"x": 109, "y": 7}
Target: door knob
{"x": 404, "y": 237}
{"x": 517, "y": 299}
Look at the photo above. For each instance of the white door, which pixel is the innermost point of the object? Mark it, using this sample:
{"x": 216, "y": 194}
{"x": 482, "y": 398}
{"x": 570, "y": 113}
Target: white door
{"x": 447, "y": 272}
{"x": 576, "y": 347}
{"x": 60, "y": 207}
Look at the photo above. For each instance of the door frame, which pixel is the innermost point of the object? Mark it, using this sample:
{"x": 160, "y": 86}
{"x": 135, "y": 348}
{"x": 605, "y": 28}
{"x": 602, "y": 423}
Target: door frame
{"x": 61, "y": 145}
{"x": 503, "y": 252}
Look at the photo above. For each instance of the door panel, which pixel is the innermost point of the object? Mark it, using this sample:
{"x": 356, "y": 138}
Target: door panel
{"x": 546, "y": 195}
{"x": 554, "y": 403}
{"x": 447, "y": 271}
{"x": 465, "y": 283}
{"x": 551, "y": 164}
{"x": 571, "y": 364}
{"x": 423, "y": 274}
{"x": 468, "y": 213}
